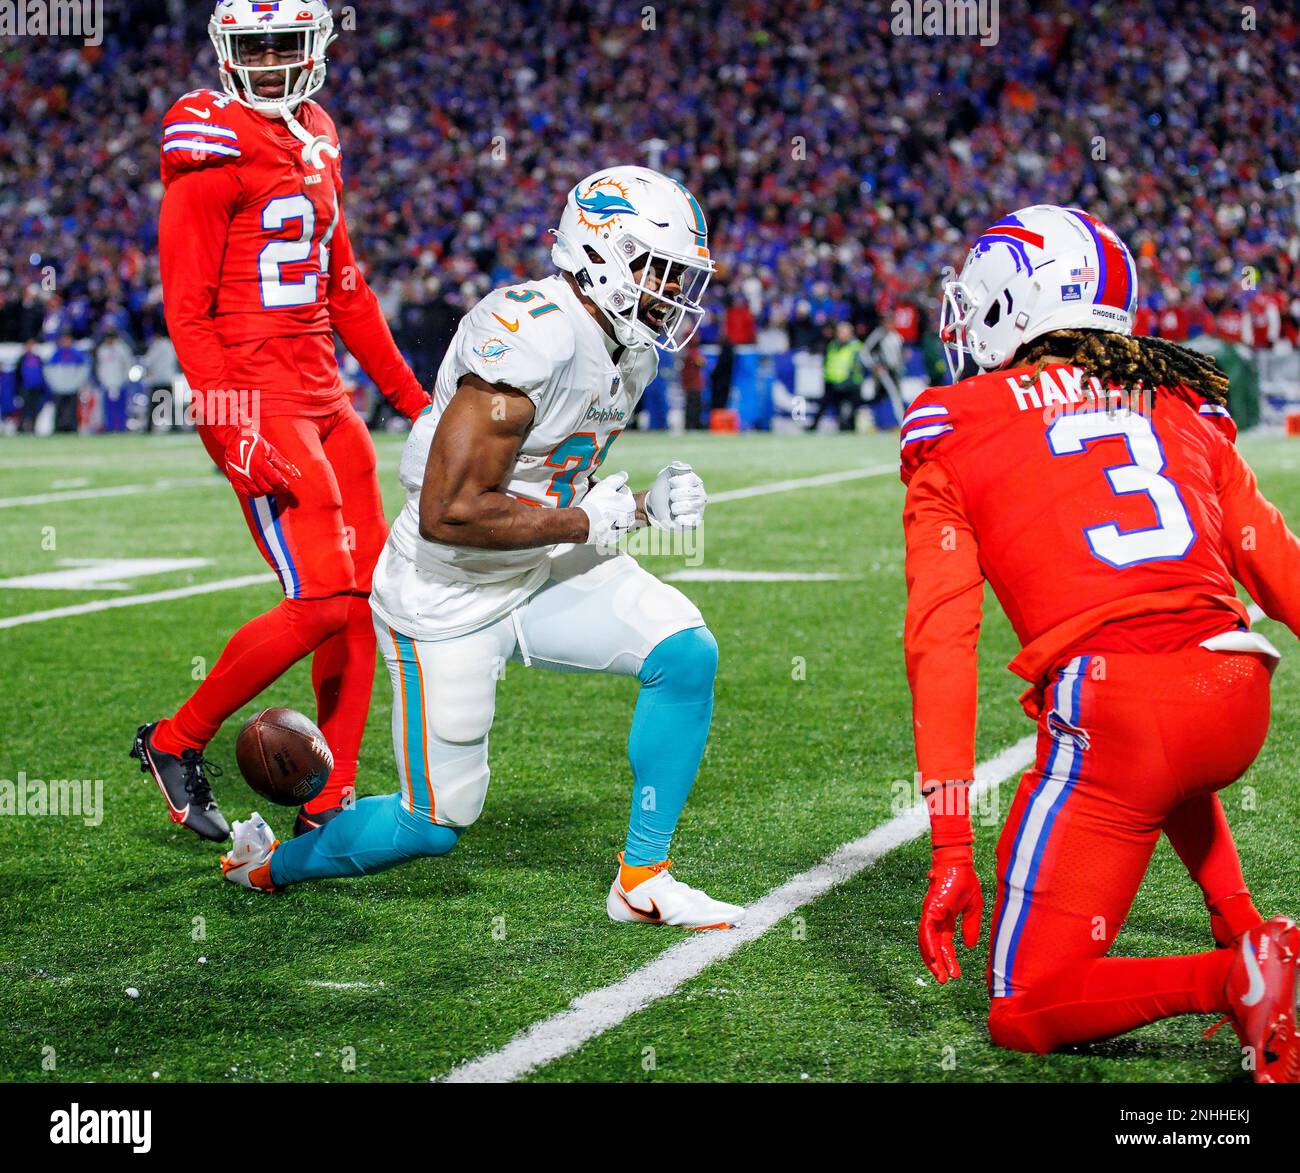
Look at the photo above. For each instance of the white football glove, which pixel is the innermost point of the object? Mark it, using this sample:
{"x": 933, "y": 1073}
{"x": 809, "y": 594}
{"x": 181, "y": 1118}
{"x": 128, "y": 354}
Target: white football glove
{"x": 610, "y": 509}
{"x": 677, "y": 498}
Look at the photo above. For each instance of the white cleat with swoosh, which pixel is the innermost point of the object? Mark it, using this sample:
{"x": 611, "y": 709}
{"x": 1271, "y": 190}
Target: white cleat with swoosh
{"x": 650, "y": 895}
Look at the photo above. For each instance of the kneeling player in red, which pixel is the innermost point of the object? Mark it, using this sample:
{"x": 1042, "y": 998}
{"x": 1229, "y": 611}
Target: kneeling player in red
{"x": 258, "y": 274}
{"x": 1092, "y": 479}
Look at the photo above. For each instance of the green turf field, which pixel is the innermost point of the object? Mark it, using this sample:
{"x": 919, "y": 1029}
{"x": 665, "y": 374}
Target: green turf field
{"x": 402, "y": 976}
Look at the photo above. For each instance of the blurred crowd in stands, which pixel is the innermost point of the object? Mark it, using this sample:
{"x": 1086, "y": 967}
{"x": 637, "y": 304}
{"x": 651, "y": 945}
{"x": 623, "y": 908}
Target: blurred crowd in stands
{"x": 842, "y": 168}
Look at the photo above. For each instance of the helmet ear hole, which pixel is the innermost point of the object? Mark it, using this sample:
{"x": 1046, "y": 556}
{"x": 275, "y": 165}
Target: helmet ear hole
{"x": 596, "y": 259}
{"x": 994, "y": 315}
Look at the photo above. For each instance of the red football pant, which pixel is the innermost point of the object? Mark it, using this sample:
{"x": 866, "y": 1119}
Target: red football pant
{"x": 322, "y": 542}
{"x": 1127, "y": 744}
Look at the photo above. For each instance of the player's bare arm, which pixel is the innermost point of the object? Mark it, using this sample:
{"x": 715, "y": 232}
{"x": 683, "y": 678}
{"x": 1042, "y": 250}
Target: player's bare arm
{"x": 473, "y": 452}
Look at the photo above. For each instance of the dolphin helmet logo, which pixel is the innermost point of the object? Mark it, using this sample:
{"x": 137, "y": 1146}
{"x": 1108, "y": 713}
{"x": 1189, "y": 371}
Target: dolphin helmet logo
{"x": 602, "y": 203}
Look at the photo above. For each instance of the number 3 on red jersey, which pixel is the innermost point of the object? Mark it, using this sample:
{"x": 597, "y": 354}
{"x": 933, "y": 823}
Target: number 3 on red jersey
{"x": 276, "y": 292}
{"x": 1173, "y": 534}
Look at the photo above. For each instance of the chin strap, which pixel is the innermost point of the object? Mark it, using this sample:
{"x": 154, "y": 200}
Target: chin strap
{"x": 315, "y": 148}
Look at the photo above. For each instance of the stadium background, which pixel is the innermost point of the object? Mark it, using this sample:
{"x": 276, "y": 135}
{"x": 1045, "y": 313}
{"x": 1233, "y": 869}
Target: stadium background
{"x": 841, "y": 167}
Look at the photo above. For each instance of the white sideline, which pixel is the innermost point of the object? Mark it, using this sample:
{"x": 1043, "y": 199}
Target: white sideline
{"x": 202, "y": 588}
{"x": 230, "y": 584}
{"x": 597, "y": 1011}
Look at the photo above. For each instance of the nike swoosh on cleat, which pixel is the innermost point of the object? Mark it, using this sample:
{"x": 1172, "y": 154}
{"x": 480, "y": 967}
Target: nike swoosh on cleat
{"x": 1256, "y": 989}
{"x": 657, "y": 918}
{"x": 178, "y": 816}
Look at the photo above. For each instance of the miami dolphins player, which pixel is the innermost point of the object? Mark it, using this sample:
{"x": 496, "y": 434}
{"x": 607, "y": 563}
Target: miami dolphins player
{"x": 503, "y": 552}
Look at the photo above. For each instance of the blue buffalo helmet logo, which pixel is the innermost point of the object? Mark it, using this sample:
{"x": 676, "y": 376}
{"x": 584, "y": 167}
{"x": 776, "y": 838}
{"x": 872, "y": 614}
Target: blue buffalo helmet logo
{"x": 1009, "y": 231}
{"x": 604, "y": 201}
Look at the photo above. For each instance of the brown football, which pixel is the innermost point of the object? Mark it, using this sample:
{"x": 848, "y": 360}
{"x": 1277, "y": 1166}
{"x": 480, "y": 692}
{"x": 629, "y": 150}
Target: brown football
{"x": 283, "y": 756}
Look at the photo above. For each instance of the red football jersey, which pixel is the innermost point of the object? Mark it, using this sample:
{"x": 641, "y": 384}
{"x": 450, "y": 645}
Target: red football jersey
{"x": 1264, "y": 313}
{"x": 1230, "y": 324}
{"x": 257, "y": 266}
{"x": 1100, "y": 523}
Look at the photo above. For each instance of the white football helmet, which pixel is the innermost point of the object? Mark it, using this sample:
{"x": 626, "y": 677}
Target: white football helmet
{"x": 237, "y": 25}
{"x": 637, "y": 244}
{"x": 1039, "y": 269}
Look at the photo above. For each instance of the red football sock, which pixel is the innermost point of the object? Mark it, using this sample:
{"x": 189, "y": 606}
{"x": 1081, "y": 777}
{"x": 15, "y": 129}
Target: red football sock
{"x": 255, "y": 656}
{"x": 343, "y": 674}
{"x": 1199, "y": 832}
{"x": 1108, "y": 996}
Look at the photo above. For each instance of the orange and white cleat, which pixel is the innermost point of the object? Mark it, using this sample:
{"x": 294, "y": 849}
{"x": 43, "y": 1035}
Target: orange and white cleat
{"x": 650, "y": 895}
{"x": 1261, "y": 991}
{"x": 248, "y": 862}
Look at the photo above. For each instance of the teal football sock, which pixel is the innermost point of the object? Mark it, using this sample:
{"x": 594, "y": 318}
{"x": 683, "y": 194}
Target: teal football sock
{"x": 669, "y": 729}
{"x": 372, "y": 836}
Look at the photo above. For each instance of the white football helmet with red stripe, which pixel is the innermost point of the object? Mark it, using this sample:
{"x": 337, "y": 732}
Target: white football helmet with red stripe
{"x": 238, "y": 28}
{"x": 1039, "y": 269}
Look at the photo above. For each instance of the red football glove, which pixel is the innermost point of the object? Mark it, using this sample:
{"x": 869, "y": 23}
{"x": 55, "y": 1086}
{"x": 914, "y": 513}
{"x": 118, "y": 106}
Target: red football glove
{"x": 255, "y": 468}
{"x": 954, "y": 892}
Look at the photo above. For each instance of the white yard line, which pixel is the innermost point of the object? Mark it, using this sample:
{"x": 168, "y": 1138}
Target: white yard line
{"x": 594, "y": 1013}
{"x": 703, "y": 575}
{"x": 202, "y": 588}
{"x": 160, "y": 486}
{"x": 346, "y": 985}
{"x": 229, "y": 584}
{"x": 826, "y": 478}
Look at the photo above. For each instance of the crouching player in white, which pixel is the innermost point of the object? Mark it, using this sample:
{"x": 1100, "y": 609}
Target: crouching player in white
{"x": 502, "y": 552}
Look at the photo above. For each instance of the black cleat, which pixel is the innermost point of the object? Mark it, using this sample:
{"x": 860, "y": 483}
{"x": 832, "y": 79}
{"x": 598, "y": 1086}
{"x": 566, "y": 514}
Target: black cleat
{"x": 184, "y": 784}
{"x": 305, "y": 822}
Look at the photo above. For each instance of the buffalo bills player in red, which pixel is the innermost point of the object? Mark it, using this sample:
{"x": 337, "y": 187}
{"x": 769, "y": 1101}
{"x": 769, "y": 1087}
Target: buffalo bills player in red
{"x": 258, "y": 275}
{"x": 1091, "y": 478}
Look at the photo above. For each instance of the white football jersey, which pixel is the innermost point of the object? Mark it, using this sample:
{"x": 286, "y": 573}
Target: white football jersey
{"x": 538, "y": 339}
